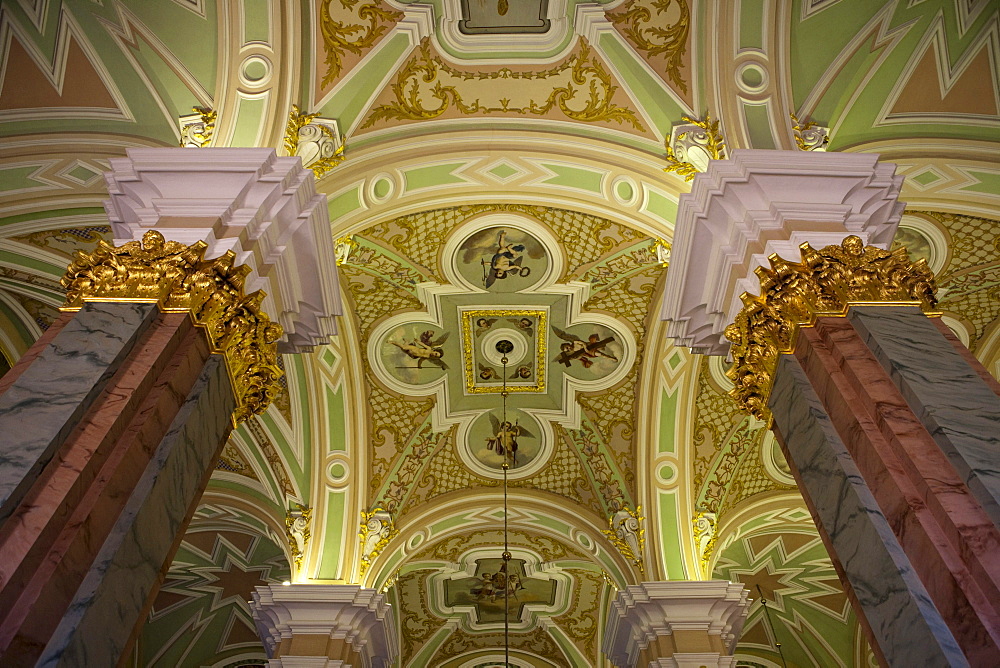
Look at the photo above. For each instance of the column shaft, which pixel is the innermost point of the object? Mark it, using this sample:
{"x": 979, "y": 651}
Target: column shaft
{"x": 92, "y": 448}
{"x": 883, "y": 460}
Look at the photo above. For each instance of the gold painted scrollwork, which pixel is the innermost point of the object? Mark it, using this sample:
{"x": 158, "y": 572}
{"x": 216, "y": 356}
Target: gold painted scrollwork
{"x": 793, "y": 294}
{"x": 340, "y": 36}
{"x": 176, "y": 277}
{"x": 651, "y": 37}
{"x": 426, "y": 87}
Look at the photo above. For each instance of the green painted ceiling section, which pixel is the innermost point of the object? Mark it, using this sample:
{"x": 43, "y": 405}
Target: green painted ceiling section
{"x": 820, "y": 40}
{"x": 201, "y": 616}
{"x": 193, "y": 41}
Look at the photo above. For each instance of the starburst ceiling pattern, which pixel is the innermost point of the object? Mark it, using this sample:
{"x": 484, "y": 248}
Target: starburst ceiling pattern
{"x": 201, "y": 613}
{"x": 786, "y": 567}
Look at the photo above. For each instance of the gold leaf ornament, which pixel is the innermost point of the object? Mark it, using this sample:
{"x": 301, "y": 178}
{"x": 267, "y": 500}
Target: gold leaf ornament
{"x": 198, "y": 128}
{"x": 653, "y": 35}
{"x": 297, "y": 531}
{"x": 426, "y": 87}
{"x": 808, "y": 135}
{"x": 340, "y": 36}
{"x": 377, "y": 529}
{"x": 824, "y": 283}
{"x": 323, "y": 150}
{"x": 704, "y": 137}
{"x": 177, "y": 278}
{"x": 627, "y": 533}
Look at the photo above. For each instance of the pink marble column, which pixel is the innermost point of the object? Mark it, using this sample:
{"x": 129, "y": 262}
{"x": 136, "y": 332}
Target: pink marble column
{"x": 112, "y": 422}
{"x": 65, "y": 521}
{"x": 948, "y": 538}
{"x": 890, "y": 426}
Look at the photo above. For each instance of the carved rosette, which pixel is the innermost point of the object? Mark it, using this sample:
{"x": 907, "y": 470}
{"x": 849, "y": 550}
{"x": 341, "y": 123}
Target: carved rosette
{"x": 794, "y": 294}
{"x": 177, "y": 278}
{"x": 627, "y": 533}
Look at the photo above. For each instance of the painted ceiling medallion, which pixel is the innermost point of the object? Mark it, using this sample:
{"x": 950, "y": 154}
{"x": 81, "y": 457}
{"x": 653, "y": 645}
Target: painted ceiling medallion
{"x": 472, "y": 591}
{"x": 502, "y": 271}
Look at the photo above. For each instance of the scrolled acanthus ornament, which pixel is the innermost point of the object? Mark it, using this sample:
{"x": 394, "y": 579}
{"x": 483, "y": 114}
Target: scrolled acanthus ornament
{"x": 627, "y": 534}
{"x": 177, "y": 278}
{"x": 298, "y": 533}
{"x": 692, "y": 145}
{"x": 825, "y": 283}
{"x": 704, "y": 524}
{"x": 377, "y": 529}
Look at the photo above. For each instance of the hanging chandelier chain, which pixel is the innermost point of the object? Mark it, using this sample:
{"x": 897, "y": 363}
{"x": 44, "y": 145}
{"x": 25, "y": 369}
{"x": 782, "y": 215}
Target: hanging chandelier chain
{"x": 506, "y": 547}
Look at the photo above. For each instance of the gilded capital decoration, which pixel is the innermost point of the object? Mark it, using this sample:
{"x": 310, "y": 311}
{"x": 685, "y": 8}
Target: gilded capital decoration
{"x": 627, "y": 533}
{"x": 704, "y": 525}
{"x": 377, "y": 529}
{"x": 297, "y": 532}
{"x": 661, "y": 250}
{"x": 177, "y": 278}
{"x": 808, "y": 135}
{"x": 197, "y": 128}
{"x": 826, "y": 282}
{"x": 691, "y": 146}
{"x": 343, "y": 248}
{"x": 315, "y": 140}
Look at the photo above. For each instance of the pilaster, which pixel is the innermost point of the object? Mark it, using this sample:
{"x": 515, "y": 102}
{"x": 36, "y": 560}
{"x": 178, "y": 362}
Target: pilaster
{"x": 342, "y": 626}
{"x": 693, "y": 623}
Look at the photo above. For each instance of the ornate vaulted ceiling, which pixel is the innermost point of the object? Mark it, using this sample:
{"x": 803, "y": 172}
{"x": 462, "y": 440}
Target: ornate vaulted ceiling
{"x": 458, "y": 141}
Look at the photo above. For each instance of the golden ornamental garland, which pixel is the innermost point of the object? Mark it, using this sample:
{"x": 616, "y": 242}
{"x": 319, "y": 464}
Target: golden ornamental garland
{"x": 794, "y": 294}
{"x": 177, "y": 278}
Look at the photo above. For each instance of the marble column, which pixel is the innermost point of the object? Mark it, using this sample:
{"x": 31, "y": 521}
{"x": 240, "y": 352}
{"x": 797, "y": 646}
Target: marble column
{"x": 910, "y": 509}
{"x": 112, "y": 421}
{"x": 889, "y": 424}
{"x": 680, "y": 624}
{"x": 337, "y": 626}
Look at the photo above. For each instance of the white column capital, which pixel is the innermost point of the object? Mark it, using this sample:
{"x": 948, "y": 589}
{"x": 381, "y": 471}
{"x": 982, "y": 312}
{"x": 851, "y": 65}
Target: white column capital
{"x": 262, "y": 207}
{"x": 759, "y": 203}
{"x": 355, "y": 615}
{"x": 641, "y": 613}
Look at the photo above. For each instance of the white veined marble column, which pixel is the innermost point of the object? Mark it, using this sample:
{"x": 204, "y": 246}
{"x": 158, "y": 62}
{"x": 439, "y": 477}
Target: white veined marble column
{"x": 888, "y": 423}
{"x": 112, "y": 421}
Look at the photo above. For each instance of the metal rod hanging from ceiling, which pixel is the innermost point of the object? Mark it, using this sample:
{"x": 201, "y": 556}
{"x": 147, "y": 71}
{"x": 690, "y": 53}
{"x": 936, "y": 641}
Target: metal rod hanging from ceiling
{"x": 504, "y": 347}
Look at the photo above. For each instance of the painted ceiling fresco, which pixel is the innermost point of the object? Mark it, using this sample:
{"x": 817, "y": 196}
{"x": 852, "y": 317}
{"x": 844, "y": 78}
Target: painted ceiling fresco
{"x": 459, "y": 280}
{"x": 495, "y": 171}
